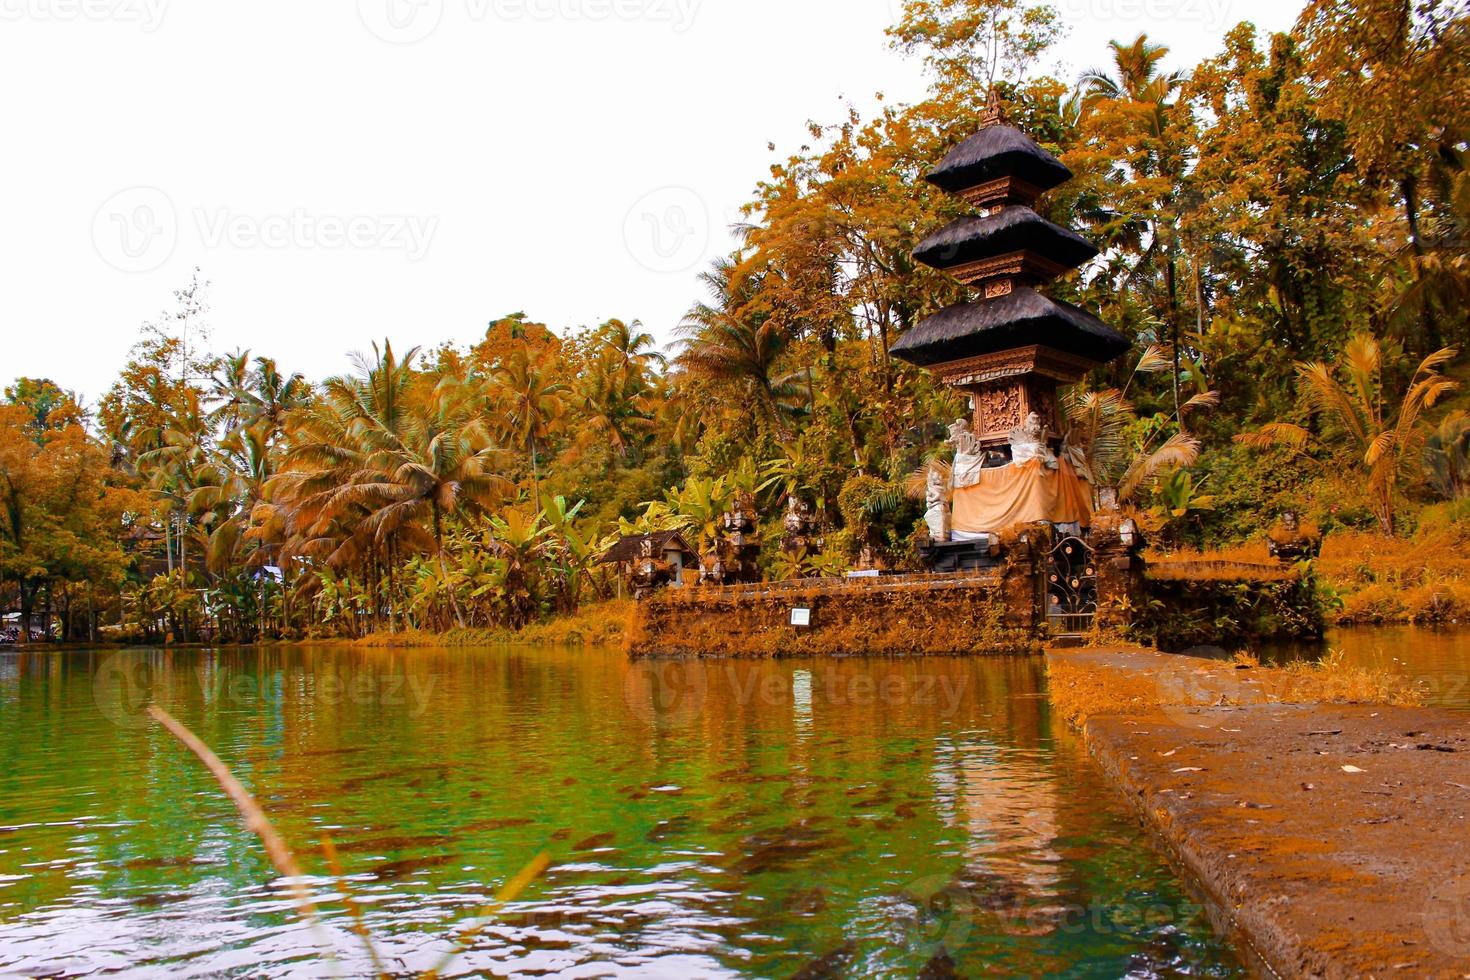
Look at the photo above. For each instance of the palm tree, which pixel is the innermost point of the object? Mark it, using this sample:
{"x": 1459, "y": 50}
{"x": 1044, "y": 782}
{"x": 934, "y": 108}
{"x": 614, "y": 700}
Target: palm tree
{"x": 1137, "y": 79}
{"x": 615, "y": 399}
{"x": 1097, "y": 436}
{"x": 727, "y": 344}
{"x": 632, "y": 344}
{"x": 533, "y": 404}
{"x": 382, "y": 463}
{"x": 1360, "y": 409}
{"x": 1447, "y": 456}
{"x": 1146, "y": 96}
{"x": 172, "y": 468}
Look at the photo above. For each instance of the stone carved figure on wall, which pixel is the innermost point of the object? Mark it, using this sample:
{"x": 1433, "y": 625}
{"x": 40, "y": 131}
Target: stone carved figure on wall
{"x": 1028, "y": 442}
{"x": 936, "y": 500}
{"x": 649, "y": 571}
{"x": 963, "y": 439}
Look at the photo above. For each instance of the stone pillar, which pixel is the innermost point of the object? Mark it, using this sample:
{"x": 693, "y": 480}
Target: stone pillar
{"x": 1116, "y": 543}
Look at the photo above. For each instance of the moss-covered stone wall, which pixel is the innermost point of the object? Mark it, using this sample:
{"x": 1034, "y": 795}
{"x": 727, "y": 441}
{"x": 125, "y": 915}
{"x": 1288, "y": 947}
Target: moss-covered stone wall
{"x": 983, "y": 613}
{"x": 1222, "y": 604}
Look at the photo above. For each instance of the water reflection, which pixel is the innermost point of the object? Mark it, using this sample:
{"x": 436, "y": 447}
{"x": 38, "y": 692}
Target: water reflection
{"x": 861, "y": 817}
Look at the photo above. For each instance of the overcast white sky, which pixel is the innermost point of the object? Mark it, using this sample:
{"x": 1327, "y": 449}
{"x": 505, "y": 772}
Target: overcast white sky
{"x": 344, "y": 170}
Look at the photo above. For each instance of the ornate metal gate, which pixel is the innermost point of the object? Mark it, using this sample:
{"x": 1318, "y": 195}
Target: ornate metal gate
{"x": 1071, "y": 587}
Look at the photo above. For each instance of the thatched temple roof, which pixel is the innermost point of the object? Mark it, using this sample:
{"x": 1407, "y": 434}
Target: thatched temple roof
{"x": 1020, "y": 319}
{"x": 1012, "y": 229}
{"x": 996, "y": 152}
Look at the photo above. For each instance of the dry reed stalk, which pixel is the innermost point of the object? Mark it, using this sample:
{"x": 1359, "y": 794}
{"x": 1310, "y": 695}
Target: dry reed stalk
{"x": 255, "y": 819}
{"x": 281, "y": 857}
{"x": 359, "y": 925}
{"x": 509, "y": 892}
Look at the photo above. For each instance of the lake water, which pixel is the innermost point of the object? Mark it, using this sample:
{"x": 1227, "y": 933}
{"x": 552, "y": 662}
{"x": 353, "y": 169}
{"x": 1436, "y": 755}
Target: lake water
{"x": 835, "y": 818}
{"x": 1436, "y": 662}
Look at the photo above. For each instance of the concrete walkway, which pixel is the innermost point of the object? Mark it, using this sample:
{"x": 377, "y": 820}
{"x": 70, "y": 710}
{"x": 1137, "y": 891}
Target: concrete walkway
{"x": 1334, "y": 840}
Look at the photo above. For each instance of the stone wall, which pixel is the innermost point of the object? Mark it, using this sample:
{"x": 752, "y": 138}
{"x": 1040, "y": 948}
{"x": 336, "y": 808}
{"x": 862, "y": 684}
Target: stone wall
{"x": 1226, "y": 604}
{"x": 996, "y": 611}
{"x": 1173, "y": 606}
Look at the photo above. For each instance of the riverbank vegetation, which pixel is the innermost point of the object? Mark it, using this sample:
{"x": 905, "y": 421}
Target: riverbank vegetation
{"x": 1284, "y": 232}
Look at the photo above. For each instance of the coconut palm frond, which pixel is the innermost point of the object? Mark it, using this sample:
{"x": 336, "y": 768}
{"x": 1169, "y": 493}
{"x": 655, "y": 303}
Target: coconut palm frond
{"x": 1203, "y": 401}
{"x": 1276, "y": 434}
{"x": 1180, "y": 452}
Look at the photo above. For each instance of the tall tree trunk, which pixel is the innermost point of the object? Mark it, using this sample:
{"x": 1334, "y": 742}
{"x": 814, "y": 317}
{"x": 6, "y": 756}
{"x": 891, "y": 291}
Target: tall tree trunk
{"x": 1172, "y": 285}
{"x": 444, "y": 571}
{"x": 1409, "y": 186}
{"x": 184, "y": 547}
{"x": 535, "y": 473}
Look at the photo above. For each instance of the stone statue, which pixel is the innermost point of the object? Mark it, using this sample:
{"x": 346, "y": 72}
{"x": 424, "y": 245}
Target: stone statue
{"x": 963, "y": 439}
{"x": 1028, "y": 442}
{"x": 936, "y": 499}
{"x": 795, "y": 521}
{"x": 969, "y": 457}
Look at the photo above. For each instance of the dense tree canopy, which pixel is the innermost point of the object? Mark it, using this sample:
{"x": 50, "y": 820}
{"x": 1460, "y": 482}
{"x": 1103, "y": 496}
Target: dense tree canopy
{"x": 1285, "y": 217}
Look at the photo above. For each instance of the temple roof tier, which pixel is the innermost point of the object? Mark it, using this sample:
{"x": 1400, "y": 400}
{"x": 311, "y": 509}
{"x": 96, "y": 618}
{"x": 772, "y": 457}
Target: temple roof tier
{"x": 998, "y": 154}
{"x": 1019, "y": 318}
{"x": 966, "y": 247}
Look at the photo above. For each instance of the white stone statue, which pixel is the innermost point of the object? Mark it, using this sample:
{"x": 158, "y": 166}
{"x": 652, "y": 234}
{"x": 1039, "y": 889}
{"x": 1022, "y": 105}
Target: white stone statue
{"x": 963, "y": 439}
{"x": 936, "y": 498}
{"x": 969, "y": 458}
{"x": 1028, "y": 442}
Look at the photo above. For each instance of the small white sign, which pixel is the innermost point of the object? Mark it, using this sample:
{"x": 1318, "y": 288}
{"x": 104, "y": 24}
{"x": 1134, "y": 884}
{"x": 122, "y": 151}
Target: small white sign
{"x": 801, "y": 617}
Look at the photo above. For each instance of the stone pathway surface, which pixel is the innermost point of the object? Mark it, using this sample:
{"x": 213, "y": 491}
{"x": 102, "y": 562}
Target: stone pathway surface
{"x": 1334, "y": 839}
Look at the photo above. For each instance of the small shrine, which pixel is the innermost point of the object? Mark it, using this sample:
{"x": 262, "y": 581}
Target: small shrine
{"x": 1007, "y": 350}
{"x": 651, "y": 561}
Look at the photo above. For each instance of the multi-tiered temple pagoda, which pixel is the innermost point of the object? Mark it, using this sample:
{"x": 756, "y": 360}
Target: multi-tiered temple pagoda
{"x": 1010, "y": 347}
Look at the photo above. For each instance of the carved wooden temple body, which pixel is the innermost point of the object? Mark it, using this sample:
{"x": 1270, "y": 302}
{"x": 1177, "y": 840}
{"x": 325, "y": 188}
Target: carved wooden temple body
{"x": 1010, "y": 347}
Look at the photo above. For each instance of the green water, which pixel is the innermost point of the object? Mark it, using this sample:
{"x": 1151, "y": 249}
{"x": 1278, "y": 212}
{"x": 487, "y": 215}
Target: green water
{"x": 842, "y": 818}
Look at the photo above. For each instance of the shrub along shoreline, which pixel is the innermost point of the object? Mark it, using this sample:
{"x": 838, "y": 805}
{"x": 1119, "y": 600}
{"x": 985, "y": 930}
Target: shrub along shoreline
{"x": 1373, "y": 580}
